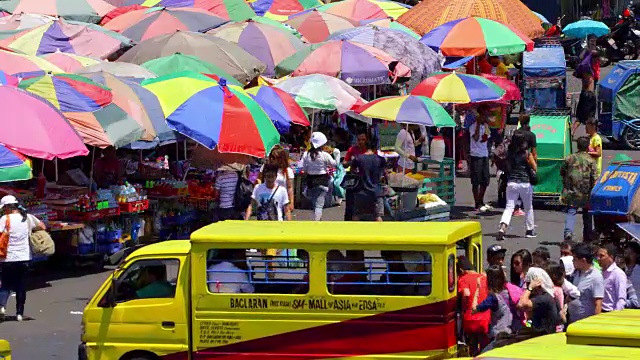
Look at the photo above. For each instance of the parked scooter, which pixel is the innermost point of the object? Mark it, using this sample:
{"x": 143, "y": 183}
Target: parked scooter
{"x": 623, "y": 42}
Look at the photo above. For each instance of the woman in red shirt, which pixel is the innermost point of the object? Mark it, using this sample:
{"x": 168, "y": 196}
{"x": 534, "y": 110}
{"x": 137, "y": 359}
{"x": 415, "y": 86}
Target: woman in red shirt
{"x": 475, "y": 326}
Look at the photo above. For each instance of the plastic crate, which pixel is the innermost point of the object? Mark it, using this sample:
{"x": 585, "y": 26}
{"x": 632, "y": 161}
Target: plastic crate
{"x": 439, "y": 179}
{"x": 85, "y": 249}
{"x": 134, "y": 206}
{"x": 110, "y": 249}
{"x": 108, "y": 237}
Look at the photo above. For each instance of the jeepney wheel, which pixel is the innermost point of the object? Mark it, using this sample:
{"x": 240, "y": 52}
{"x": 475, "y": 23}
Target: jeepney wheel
{"x": 631, "y": 138}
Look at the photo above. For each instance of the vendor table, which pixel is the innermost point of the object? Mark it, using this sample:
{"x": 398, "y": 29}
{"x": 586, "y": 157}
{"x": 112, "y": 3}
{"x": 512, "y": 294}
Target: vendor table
{"x": 436, "y": 213}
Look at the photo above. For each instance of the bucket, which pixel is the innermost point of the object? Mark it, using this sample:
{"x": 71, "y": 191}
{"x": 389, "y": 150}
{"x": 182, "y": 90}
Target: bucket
{"x": 409, "y": 200}
{"x": 436, "y": 151}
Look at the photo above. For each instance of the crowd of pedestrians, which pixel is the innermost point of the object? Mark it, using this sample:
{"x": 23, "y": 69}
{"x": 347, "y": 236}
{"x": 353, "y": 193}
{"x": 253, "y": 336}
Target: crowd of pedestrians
{"x": 539, "y": 295}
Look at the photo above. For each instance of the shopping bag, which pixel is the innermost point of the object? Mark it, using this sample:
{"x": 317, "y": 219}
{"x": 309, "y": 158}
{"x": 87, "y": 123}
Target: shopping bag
{"x": 4, "y": 239}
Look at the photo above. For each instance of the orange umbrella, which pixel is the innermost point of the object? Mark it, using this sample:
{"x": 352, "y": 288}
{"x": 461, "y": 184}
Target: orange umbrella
{"x": 429, "y": 14}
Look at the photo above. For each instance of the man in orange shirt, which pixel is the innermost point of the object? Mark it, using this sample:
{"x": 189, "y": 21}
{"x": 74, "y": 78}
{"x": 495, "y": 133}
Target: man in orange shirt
{"x": 476, "y": 326}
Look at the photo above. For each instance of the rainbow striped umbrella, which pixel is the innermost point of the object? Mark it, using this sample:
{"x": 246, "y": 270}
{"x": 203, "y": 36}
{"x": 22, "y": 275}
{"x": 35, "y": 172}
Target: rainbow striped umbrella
{"x": 6, "y": 79}
{"x": 281, "y": 9}
{"x": 81, "y": 10}
{"x": 70, "y": 63}
{"x": 63, "y": 36}
{"x": 445, "y": 87}
{"x": 355, "y": 63}
{"x": 214, "y": 114}
{"x": 227, "y": 9}
{"x": 473, "y": 36}
{"x": 316, "y": 26}
{"x": 360, "y": 10}
{"x": 180, "y": 62}
{"x": 13, "y": 165}
{"x": 390, "y": 23}
{"x": 408, "y": 109}
{"x": 267, "y": 43}
{"x": 319, "y": 91}
{"x": 143, "y": 24}
{"x": 14, "y": 63}
{"x": 68, "y": 92}
{"x": 281, "y": 107}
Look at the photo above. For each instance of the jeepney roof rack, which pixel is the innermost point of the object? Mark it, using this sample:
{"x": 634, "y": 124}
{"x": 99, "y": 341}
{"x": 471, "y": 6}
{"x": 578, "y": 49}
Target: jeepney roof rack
{"x": 551, "y": 112}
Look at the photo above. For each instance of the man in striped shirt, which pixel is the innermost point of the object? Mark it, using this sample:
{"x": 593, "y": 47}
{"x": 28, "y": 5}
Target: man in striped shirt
{"x": 226, "y": 184}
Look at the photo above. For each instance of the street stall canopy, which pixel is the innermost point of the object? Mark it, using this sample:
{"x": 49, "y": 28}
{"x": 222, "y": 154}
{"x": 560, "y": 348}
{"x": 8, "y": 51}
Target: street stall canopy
{"x": 553, "y": 144}
{"x": 616, "y": 192}
{"x": 544, "y": 62}
{"x": 622, "y": 88}
{"x": 610, "y": 85}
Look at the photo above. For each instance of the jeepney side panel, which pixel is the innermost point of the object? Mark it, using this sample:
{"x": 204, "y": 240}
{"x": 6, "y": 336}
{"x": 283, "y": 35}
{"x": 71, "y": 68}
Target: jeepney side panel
{"x": 5, "y": 350}
{"x": 321, "y": 325}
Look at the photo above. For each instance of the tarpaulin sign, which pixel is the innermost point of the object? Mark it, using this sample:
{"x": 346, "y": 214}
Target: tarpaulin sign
{"x": 615, "y": 192}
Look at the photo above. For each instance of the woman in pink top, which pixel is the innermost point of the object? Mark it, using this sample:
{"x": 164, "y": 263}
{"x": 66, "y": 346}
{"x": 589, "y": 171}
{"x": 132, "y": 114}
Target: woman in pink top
{"x": 557, "y": 273}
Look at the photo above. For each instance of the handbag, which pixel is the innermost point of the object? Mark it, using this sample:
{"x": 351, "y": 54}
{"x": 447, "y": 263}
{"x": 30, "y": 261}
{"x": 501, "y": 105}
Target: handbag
{"x": 350, "y": 182}
{"x": 533, "y": 175}
{"x": 4, "y": 239}
{"x": 42, "y": 243}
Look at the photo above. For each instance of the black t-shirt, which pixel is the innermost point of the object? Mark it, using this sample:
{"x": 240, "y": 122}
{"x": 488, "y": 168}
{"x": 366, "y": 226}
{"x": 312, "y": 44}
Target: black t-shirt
{"x": 545, "y": 315}
{"x": 518, "y": 168}
{"x": 370, "y": 167}
{"x": 530, "y": 137}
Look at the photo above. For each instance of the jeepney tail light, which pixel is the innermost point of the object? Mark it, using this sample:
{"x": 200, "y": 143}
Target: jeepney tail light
{"x": 451, "y": 266}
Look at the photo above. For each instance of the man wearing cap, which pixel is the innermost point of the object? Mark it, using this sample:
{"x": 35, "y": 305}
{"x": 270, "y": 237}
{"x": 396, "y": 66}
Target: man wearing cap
{"x": 590, "y": 283}
{"x": 495, "y": 256}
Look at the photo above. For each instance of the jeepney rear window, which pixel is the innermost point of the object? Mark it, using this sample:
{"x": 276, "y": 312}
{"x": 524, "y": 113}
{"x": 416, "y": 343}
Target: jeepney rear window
{"x": 266, "y": 271}
{"x": 390, "y": 273}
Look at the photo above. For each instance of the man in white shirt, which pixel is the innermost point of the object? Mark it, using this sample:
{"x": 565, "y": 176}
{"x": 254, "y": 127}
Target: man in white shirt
{"x": 479, "y": 159}
{"x": 405, "y": 146}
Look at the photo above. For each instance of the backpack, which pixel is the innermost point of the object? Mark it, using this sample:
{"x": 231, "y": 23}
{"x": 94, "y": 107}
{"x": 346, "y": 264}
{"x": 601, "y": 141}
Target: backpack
{"x": 269, "y": 209}
{"x": 242, "y": 196}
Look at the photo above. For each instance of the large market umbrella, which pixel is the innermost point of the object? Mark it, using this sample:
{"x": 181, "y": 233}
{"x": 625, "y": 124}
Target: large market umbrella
{"x": 144, "y": 24}
{"x": 14, "y": 166}
{"x": 281, "y": 9}
{"x": 267, "y": 43}
{"x": 475, "y": 36}
{"x": 119, "y": 11}
{"x": 70, "y": 62}
{"x": 316, "y": 26}
{"x": 8, "y": 80}
{"x": 128, "y": 100}
{"x": 408, "y": 109}
{"x": 227, "y": 9}
{"x": 74, "y": 38}
{"x": 14, "y": 63}
{"x": 583, "y": 28}
{"x": 80, "y": 10}
{"x": 214, "y": 114}
{"x": 457, "y": 88}
{"x": 421, "y": 59}
{"x": 228, "y": 56}
{"x": 541, "y": 17}
{"x": 360, "y": 10}
{"x": 355, "y": 63}
{"x": 180, "y": 62}
{"x": 429, "y": 14}
{"x": 68, "y": 92}
{"x": 109, "y": 126}
{"x": 281, "y": 107}
{"x": 512, "y": 92}
{"x": 322, "y": 92}
{"x": 34, "y": 127}
{"x": 120, "y": 69}
{"x": 15, "y": 23}
{"x": 391, "y": 23}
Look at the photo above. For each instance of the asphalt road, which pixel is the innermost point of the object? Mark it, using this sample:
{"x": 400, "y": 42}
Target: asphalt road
{"x": 56, "y": 300}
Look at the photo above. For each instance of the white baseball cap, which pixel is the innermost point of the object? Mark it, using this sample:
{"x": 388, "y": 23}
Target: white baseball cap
{"x": 9, "y": 199}
{"x": 318, "y": 139}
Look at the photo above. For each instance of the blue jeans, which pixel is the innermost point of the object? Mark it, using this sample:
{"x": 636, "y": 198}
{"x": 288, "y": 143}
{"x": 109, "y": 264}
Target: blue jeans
{"x": 317, "y": 195}
{"x": 570, "y": 221}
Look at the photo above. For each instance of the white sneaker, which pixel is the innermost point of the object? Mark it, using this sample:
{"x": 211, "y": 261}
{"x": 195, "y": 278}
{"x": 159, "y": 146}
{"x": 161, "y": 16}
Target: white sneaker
{"x": 485, "y": 208}
{"x": 19, "y": 317}
{"x": 3, "y": 312}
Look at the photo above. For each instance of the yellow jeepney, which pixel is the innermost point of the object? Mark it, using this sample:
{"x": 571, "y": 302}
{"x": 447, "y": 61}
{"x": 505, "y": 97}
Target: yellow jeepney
{"x": 5, "y": 350}
{"x": 336, "y": 290}
{"x": 616, "y": 328}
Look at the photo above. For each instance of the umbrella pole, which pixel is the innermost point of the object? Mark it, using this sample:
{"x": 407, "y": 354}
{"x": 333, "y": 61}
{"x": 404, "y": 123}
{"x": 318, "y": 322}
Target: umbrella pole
{"x": 177, "y": 150}
{"x": 55, "y": 161}
{"x": 93, "y": 156}
{"x": 185, "y": 149}
{"x": 454, "y": 145}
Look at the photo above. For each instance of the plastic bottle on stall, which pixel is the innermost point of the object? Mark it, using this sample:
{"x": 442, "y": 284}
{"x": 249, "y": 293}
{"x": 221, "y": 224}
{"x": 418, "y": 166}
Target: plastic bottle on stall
{"x": 42, "y": 186}
{"x": 437, "y": 148}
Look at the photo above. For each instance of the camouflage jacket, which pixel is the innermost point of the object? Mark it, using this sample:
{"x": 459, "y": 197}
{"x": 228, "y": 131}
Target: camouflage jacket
{"x": 579, "y": 175}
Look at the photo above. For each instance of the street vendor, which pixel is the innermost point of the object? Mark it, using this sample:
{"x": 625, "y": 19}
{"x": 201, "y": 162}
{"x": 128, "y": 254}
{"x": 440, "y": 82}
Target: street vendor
{"x": 405, "y": 146}
{"x": 354, "y": 151}
{"x": 107, "y": 169}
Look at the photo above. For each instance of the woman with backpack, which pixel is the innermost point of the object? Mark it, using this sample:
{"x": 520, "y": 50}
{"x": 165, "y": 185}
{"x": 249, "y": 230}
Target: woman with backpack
{"x": 18, "y": 225}
{"x": 316, "y": 164}
{"x": 279, "y": 158}
{"x": 521, "y": 176}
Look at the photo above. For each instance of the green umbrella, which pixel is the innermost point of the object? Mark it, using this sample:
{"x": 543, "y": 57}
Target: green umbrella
{"x": 620, "y": 157}
{"x": 180, "y": 62}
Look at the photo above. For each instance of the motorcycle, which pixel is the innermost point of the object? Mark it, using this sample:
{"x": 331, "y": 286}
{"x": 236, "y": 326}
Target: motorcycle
{"x": 623, "y": 42}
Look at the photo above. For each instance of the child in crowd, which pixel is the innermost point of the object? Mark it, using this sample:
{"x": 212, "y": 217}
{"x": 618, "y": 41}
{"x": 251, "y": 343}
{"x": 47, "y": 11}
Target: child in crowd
{"x": 595, "y": 143}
